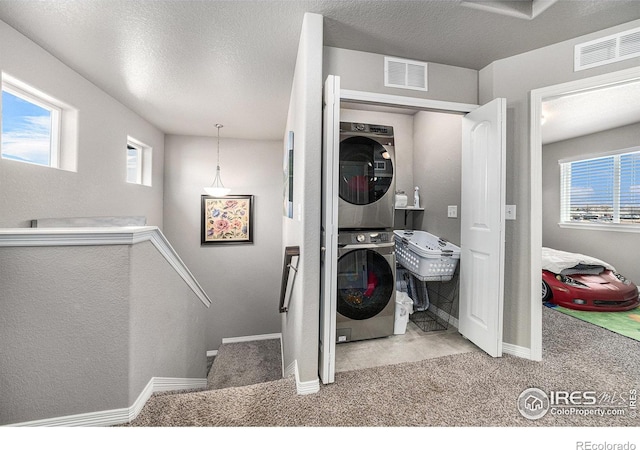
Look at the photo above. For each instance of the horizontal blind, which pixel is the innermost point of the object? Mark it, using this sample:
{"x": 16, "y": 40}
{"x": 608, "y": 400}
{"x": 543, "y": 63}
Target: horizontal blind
{"x": 630, "y": 188}
{"x": 602, "y": 190}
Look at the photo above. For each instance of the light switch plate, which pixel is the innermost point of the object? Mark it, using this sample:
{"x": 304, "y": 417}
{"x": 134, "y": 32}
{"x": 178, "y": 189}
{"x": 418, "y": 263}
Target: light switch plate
{"x": 452, "y": 211}
{"x": 510, "y": 212}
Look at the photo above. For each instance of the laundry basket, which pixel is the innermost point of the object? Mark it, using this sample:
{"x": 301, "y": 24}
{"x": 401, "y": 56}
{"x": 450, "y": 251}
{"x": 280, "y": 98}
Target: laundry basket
{"x": 428, "y": 257}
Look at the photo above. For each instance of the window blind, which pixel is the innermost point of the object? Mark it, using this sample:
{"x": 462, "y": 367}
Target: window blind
{"x": 602, "y": 190}
{"x": 630, "y": 188}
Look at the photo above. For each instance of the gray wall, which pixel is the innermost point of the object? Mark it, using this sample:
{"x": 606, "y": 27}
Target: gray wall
{"x": 90, "y": 335}
{"x": 241, "y": 279}
{"x": 300, "y": 326}
{"x": 167, "y": 322}
{"x": 513, "y": 78}
{"x": 64, "y": 331}
{"x": 362, "y": 71}
{"x": 604, "y": 245}
{"x": 437, "y": 171}
{"x": 98, "y": 188}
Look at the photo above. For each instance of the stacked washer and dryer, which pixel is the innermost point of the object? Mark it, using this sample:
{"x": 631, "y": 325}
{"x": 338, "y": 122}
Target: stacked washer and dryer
{"x": 366, "y": 257}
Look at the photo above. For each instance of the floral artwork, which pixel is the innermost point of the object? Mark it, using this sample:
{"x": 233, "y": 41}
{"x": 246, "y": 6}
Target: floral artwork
{"x": 227, "y": 219}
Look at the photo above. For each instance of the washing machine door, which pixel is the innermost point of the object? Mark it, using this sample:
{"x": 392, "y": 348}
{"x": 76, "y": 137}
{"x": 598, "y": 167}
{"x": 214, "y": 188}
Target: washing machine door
{"x": 366, "y": 283}
{"x": 366, "y": 170}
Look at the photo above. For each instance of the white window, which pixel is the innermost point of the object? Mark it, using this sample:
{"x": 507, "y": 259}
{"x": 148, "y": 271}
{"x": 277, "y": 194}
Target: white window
{"x": 138, "y": 162}
{"x": 36, "y": 127}
{"x": 602, "y": 190}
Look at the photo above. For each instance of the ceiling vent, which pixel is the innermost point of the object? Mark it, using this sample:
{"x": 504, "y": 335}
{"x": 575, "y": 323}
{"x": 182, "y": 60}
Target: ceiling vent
{"x": 607, "y": 50}
{"x": 405, "y": 74}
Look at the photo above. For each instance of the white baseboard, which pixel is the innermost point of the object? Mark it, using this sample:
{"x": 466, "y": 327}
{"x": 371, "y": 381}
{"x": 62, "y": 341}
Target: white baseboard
{"x": 122, "y": 415}
{"x": 307, "y": 387}
{"x": 516, "y": 350}
{"x": 302, "y": 387}
{"x": 212, "y": 353}
{"x": 259, "y": 337}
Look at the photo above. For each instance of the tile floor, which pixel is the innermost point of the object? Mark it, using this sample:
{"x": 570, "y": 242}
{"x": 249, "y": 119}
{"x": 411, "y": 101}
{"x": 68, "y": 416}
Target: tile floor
{"x": 414, "y": 345}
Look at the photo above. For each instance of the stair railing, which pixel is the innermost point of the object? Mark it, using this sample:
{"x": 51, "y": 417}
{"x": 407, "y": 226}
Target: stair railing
{"x": 289, "y": 254}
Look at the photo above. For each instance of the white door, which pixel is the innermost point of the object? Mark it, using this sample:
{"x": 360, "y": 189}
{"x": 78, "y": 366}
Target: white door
{"x": 482, "y": 226}
{"x": 329, "y": 263}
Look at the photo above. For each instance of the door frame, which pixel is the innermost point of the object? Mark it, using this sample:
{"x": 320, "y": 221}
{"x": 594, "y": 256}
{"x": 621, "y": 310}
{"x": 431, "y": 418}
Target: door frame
{"x": 537, "y": 97}
{"x": 329, "y": 228}
{"x": 374, "y": 98}
{"x": 326, "y": 368}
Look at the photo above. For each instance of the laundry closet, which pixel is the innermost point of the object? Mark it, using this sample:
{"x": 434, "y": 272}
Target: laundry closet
{"x": 453, "y": 151}
{"x": 416, "y": 149}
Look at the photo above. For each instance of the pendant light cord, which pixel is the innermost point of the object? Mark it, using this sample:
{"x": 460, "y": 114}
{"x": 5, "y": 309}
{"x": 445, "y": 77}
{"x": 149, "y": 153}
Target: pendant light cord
{"x": 218, "y": 126}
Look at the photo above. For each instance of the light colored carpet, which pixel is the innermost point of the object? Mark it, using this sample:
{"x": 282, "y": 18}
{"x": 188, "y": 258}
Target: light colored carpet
{"x": 246, "y": 363}
{"x": 470, "y": 389}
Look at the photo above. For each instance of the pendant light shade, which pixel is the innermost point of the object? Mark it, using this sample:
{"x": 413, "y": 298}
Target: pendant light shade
{"x": 217, "y": 189}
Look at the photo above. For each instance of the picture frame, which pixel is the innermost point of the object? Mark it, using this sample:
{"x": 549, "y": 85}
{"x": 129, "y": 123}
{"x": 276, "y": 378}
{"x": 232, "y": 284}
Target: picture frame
{"x": 226, "y": 220}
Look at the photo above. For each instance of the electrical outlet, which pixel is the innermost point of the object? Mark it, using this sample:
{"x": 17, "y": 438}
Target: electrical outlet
{"x": 452, "y": 211}
{"x": 510, "y": 212}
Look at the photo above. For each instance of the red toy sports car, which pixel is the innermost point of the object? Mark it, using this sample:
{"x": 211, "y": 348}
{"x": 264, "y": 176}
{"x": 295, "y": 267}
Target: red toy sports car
{"x": 587, "y": 285}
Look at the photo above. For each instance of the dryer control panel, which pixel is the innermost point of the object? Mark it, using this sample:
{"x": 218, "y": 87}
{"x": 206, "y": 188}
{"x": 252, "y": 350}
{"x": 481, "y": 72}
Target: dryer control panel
{"x": 364, "y": 237}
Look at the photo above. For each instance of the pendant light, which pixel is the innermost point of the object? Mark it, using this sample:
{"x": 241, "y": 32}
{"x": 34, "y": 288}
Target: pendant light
{"x": 217, "y": 189}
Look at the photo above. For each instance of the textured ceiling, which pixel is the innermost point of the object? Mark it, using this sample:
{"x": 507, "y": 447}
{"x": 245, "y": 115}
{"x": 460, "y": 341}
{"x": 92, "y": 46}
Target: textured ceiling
{"x": 186, "y": 65}
{"x": 587, "y": 112}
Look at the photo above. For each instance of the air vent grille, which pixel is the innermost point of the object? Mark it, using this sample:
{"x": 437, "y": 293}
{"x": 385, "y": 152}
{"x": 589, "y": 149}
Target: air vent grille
{"x": 630, "y": 44}
{"x": 607, "y": 50}
{"x": 405, "y": 74}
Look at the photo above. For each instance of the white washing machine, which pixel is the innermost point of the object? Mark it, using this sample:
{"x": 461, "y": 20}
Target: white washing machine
{"x": 366, "y": 179}
{"x": 366, "y": 285}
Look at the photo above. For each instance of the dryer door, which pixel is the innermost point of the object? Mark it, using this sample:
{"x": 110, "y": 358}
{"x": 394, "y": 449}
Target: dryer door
{"x": 366, "y": 283}
{"x": 366, "y": 170}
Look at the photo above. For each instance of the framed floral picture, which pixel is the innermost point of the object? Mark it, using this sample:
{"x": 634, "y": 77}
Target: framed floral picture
{"x": 227, "y": 220}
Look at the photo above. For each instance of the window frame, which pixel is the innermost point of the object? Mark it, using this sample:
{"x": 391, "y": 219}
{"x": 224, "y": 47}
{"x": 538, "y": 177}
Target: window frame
{"x": 565, "y": 186}
{"x": 144, "y": 158}
{"x": 31, "y": 96}
{"x": 63, "y": 151}
{"x": 138, "y": 166}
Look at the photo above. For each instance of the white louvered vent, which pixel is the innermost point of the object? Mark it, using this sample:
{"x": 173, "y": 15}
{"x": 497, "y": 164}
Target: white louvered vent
{"x": 607, "y": 50}
{"x": 405, "y": 74}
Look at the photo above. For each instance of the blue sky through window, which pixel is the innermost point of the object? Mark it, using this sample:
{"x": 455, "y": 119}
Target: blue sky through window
{"x": 605, "y": 189}
{"x": 26, "y": 130}
{"x": 594, "y": 184}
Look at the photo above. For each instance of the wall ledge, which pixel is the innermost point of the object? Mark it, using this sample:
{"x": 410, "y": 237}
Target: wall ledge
{"x": 50, "y": 237}
{"x": 122, "y": 415}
